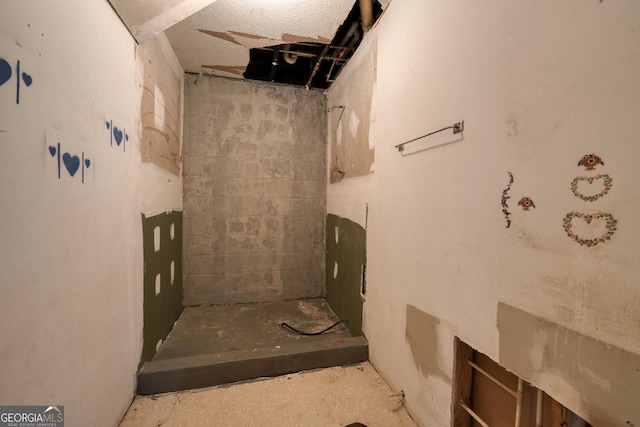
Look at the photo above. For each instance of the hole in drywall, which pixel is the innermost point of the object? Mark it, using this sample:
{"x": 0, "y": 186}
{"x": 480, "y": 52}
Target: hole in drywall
{"x": 172, "y": 230}
{"x": 158, "y": 284}
{"x": 156, "y": 238}
{"x": 481, "y": 383}
{"x": 335, "y": 270}
{"x": 336, "y": 230}
{"x": 173, "y": 271}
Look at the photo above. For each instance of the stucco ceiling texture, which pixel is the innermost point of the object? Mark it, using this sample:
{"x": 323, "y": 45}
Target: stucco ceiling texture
{"x": 216, "y": 40}
{"x": 146, "y": 19}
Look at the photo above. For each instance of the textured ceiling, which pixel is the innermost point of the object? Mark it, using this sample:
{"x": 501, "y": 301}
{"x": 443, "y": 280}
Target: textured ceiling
{"x": 221, "y": 34}
{"x": 146, "y": 19}
{"x": 225, "y": 37}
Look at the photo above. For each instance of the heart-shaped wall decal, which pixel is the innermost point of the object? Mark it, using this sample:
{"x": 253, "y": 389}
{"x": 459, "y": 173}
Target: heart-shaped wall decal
{"x": 610, "y": 227}
{"x": 5, "y": 71}
{"x": 87, "y": 162}
{"x": 72, "y": 163}
{"x": 27, "y": 79}
{"x": 52, "y": 150}
{"x": 607, "y": 182}
{"x": 117, "y": 134}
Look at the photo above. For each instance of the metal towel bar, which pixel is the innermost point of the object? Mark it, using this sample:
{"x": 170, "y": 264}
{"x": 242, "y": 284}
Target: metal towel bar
{"x": 457, "y": 128}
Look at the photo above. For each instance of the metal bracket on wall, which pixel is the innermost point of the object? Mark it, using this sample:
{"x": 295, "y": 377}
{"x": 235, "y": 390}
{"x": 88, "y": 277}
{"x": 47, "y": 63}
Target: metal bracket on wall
{"x": 457, "y": 128}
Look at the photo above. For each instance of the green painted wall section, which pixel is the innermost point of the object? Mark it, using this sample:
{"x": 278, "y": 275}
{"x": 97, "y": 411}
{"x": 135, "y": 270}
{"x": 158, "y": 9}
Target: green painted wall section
{"x": 162, "y": 309}
{"x": 346, "y": 249}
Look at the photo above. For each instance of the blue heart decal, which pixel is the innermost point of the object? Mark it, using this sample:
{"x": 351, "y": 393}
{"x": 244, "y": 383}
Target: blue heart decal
{"x": 5, "y": 71}
{"x": 72, "y": 163}
{"x": 52, "y": 150}
{"x": 117, "y": 134}
{"x": 87, "y": 162}
{"x": 27, "y": 79}
{"x": 108, "y": 125}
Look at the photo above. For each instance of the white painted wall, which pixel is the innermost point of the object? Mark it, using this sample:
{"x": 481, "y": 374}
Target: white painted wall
{"x": 71, "y": 287}
{"x": 539, "y": 84}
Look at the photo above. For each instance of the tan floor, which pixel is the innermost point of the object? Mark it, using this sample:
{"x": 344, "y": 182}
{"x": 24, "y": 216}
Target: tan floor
{"x": 325, "y": 397}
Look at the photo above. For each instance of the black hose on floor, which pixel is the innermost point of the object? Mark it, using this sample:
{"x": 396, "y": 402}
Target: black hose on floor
{"x": 292, "y": 329}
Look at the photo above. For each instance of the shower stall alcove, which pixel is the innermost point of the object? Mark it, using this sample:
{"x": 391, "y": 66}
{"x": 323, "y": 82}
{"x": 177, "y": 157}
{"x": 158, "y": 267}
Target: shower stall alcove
{"x": 255, "y": 248}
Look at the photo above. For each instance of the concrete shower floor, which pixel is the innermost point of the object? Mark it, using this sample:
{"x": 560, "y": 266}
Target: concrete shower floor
{"x": 212, "y": 345}
{"x": 337, "y": 396}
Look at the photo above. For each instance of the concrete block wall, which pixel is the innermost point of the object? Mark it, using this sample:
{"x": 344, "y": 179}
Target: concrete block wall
{"x": 254, "y": 191}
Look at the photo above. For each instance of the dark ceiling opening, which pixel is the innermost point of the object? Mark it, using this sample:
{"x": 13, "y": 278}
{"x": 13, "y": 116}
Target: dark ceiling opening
{"x": 313, "y": 65}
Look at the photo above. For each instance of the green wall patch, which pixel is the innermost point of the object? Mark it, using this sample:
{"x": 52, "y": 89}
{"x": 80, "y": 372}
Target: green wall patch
{"x": 345, "y": 266}
{"x": 162, "y": 241}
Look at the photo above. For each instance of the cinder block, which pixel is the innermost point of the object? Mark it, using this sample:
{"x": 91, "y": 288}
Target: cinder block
{"x": 199, "y": 103}
{"x": 267, "y": 129}
{"x": 239, "y": 244}
{"x": 307, "y": 207}
{"x": 307, "y": 189}
{"x": 302, "y": 227}
{"x": 227, "y": 87}
{"x": 282, "y": 113}
{"x": 277, "y": 94}
{"x": 284, "y": 132}
{"x": 265, "y": 110}
{"x": 299, "y": 293}
{"x": 202, "y": 166}
{"x": 198, "y": 186}
{"x": 255, "y": 188}
{"x": 200, "y": 125}
{"x": 198, "y": 206}
{"x": 200, "y": 284}
{"x": 276, "y": 149}
{"x": 255, "y": 295}
{"x": 246, "y": 263}
{"x": 229, "y": 206}
{"x": 276, "y": 168}
{"x": 271, "y": 226}
{"x": 198, "y": 245}
{"x": 200, "y": 264}
{"x": 305, "y": 170}
{"x": 203, "y": 145}
{"x": 301, "y": 260}
{"x": 243, "y": 225}
{"x": 219, "y": 187}
{"x": 204, "y": 225}
{"x": 226, "y": 108}
{"x": 251, "y": 281}
{"x": 246, "y": 111}
{"x": 309, "y": 151}
{"x": 269, "y": 243}
{"x": 273, "y": 206}
{"x": 246, "y": 149}
{"x": 212, "y": 298}
{"x": 302, "y": 241}
{"x": 235, "y": 226}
